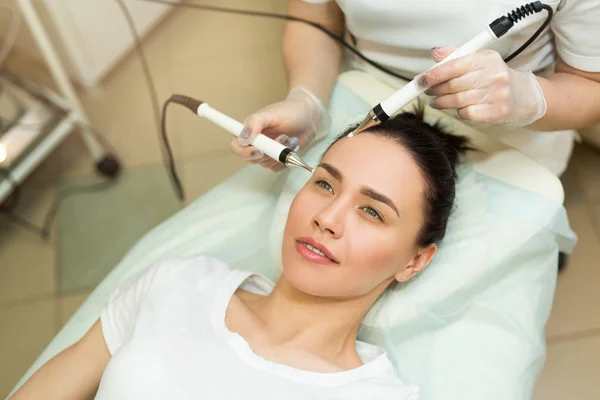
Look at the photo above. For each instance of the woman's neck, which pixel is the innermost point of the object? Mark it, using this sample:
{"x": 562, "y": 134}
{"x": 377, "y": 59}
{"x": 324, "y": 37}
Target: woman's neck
{"x": 314, "y": 324}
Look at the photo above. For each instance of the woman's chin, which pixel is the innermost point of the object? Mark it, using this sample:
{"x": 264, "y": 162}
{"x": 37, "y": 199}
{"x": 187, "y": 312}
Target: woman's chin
{"x": 309, "y": 279}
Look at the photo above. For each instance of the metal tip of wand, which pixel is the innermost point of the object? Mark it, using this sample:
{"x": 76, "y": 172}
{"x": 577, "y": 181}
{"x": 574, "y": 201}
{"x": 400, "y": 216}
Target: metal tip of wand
{"x": 294, "y": 160}
{"x": 370, "y": 121}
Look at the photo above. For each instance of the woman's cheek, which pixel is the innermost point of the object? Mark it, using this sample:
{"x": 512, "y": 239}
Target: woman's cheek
{"x": 368, "y": 247}
{"x": 299, "y": 207}
{"x": 376, "y": 253}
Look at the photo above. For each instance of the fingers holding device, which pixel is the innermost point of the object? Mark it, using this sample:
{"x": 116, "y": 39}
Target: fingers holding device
{"x": 494, "y": 93}
{"x": 255, "y": 156}
{"x": 483, "y": 88}
{"x": 275, "y": 150}
{"x": 294, "y": 122}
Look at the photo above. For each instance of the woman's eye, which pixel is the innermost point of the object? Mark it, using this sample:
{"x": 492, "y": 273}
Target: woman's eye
{"x": 373, "y": 213}
{"x": 325, "y": 185}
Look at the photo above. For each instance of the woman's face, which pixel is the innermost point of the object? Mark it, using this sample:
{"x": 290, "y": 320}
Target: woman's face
{"x": 352, "y": 229}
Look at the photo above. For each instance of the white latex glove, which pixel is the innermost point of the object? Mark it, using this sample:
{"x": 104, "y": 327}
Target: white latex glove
{"x": 483, "y": 88}
{"x": 294, "y": 122}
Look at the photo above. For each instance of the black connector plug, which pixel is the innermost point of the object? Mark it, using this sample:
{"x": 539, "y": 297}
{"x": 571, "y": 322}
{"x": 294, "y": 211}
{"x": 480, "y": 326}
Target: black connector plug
{"x": 503, "y": 24}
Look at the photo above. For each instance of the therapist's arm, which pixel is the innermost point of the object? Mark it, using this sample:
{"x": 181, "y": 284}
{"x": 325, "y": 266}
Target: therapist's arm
{"x": 72, "y": 374}
{"x": 312, "y": 62}
{"x": 572, "y": 99}
{"x": 312, "y": 59}
{"x": 483, "y": 88}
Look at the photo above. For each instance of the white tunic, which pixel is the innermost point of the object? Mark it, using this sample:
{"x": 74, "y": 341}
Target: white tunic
{"x": 401, "y": 33}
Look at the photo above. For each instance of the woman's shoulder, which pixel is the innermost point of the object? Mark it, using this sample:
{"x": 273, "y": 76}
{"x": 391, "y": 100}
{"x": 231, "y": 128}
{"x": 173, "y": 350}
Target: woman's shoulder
{"x": 195, "y": 270}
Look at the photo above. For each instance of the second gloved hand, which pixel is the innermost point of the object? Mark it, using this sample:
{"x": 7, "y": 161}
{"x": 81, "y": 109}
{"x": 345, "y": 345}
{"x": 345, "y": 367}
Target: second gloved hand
{"x": 483, "y": 88}
{"x": 294, "y": 122}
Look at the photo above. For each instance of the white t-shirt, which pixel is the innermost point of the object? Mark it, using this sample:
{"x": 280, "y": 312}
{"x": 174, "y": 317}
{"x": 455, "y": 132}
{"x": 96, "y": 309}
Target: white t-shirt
{"x": 400, "y": 34}
{"x": 167, "y": 336}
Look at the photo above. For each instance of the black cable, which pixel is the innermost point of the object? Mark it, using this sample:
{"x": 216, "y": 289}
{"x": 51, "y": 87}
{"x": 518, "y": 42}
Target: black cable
{"x": 177, "y": 185}
{"x": 514, "y": 15}
{"x": 535, "y": 35}
{"x": 286, "y": 17}
{"x": 167, "y": 153}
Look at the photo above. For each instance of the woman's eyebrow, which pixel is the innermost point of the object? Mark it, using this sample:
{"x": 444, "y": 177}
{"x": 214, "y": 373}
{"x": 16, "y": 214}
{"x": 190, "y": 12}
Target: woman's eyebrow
{"x": 365, "y": 190}
{"x": 333, "y": 171}
{"x": 369, "y": 192}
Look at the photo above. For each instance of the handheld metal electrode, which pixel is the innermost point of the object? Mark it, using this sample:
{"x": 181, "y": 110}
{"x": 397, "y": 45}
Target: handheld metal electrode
{"x": 413, "y": 89}
{"x": 268, "y": 146}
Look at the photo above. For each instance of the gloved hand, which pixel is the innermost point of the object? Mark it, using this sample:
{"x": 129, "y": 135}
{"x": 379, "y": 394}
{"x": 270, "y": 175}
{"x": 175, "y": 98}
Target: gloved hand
{"x": 483, "y": 88}
{"x": 294, "y": 122}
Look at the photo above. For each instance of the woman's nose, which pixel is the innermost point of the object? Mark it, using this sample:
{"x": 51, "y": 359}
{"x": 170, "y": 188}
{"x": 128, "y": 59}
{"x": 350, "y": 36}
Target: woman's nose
{"x": 330, "y": 221}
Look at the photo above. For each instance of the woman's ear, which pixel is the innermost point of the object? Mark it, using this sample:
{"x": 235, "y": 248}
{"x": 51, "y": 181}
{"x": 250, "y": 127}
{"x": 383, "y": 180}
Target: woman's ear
{"x": 418, "y": 263}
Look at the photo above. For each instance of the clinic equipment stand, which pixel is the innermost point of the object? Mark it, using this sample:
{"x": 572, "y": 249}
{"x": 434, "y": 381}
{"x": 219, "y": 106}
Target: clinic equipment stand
{"x": 106, "y": 163}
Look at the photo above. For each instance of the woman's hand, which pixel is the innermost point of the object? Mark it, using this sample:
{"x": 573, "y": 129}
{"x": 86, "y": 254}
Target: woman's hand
{"x": 293, "y": 122}
{"x": 483, "y": 88}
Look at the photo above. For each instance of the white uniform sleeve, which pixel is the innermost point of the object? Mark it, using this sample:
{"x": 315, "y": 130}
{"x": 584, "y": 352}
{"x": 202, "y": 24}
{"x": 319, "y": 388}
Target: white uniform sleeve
{"x": 119, "y": 317}
{"x": 577, "y": 34}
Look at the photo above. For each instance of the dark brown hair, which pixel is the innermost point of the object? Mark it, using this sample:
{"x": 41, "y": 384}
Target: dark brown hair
{"x": 437, "y": 153}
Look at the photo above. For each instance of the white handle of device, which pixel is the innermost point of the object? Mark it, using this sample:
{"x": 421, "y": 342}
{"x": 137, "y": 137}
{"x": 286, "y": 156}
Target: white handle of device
{"x": 263, "y": 143}
{"x": 411, "y": 90}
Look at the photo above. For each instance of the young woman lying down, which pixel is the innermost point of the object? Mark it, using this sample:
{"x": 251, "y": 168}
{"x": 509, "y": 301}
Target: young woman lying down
{"x": 371, "y": 215}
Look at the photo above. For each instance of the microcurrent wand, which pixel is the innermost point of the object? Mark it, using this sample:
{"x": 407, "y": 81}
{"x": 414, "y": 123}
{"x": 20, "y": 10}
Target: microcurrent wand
{"x": 413, "y": 89}
{"x": 268, "y": 146}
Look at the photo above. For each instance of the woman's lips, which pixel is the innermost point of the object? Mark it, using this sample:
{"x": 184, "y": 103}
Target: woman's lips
{"x": 310, "y": 255}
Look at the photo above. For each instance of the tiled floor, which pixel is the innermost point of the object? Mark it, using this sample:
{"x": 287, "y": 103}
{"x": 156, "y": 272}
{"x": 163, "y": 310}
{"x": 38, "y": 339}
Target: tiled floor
{"x": 32, "y": 311}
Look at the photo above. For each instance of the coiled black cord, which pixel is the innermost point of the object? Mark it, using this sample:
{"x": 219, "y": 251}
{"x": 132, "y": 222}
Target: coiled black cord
{"x": 521, "y": 12}
{"x": 536, "y": 33}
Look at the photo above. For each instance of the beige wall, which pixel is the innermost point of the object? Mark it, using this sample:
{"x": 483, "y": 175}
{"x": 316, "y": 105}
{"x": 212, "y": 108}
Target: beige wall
{"x": 78, "y": 31}
{"x": 26, "y": 56}
{"x": 25, "y": 42}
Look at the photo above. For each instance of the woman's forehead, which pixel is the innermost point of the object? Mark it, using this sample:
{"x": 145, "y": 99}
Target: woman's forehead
{"x": 378, "y": 162}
